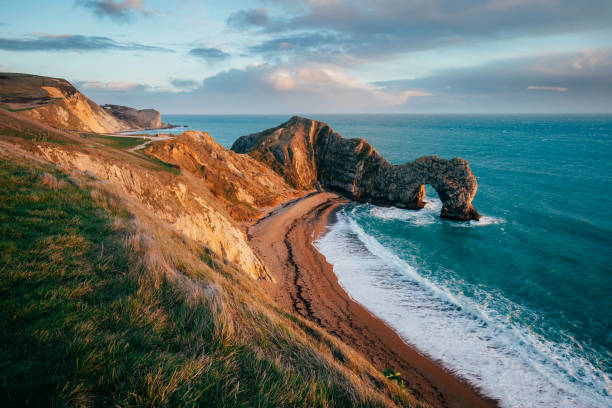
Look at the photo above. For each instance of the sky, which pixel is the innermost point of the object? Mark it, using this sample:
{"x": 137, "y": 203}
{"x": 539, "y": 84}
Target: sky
{"x": 320, "y": 56}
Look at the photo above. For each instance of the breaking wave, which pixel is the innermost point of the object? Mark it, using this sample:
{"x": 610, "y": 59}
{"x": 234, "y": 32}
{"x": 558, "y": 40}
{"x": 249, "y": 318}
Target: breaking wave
{"x": 473, "y": 333}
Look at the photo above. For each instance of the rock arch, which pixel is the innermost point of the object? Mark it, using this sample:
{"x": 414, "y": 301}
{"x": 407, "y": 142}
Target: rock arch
{"x": 452, "y": 179}
{"x": 306, "y": 152}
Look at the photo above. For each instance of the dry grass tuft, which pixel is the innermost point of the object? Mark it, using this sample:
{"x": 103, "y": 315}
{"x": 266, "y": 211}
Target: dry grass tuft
{"x": 50, "y": 181}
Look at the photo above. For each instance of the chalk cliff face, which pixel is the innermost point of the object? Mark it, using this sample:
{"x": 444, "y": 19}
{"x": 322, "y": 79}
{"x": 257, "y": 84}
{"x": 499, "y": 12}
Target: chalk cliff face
{"x": 178, "y": 201}
{"x": 55, "y": 102}
{"x": 307, "y": 153}
{"x": 135, "y": 118}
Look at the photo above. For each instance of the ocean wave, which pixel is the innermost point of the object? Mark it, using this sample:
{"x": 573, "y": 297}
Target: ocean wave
{"x": 483, "y": 221}
{"x": 425, "y": 216}
{"x": 430, "y": 214}
{"x": 475, "y": 336}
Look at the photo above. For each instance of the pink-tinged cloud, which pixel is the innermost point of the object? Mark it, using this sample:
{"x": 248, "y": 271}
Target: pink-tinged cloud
{"x": 327, "y": 79}
{"x": 546, "y": 88}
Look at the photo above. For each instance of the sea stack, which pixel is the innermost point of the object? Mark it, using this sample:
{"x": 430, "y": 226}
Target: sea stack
{"x": 308, "y": 153}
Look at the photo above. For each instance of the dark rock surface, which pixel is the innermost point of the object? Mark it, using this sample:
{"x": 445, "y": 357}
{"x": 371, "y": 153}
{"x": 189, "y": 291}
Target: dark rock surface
{"x": 307, "y": 153}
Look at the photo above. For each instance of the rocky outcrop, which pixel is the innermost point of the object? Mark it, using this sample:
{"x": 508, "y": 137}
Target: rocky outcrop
{"x": 241, "y": 183}
{"x": 56, "y": 103}
{"x": 137, "y": 119}
{"x": 308, "y": 153}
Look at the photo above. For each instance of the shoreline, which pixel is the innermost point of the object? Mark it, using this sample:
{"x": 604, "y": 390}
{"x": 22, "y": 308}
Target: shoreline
{"x": 132, "y": 131}
{"x": 306, "y": 284}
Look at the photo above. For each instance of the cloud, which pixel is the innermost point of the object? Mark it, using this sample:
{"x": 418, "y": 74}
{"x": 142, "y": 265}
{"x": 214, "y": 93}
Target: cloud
{"x": 549, "y": 83}
{"x": 184, "y": 84}
{"x": 302, "y": 43}
{"x": 109, "y": 86}
{"x": 328, "y": 80}
{"x": 546, "y": 88}
{"x": 305, "y": 88}
{"x": 242, "y": 19}
{"x": 71, "y": 42}
{"x": 209, "y": 54}
{"x": 370, "y": 29}
{"x": 114, "y": 9}
{"x": 518, "y": 85}
{"x": 264, "y": 88}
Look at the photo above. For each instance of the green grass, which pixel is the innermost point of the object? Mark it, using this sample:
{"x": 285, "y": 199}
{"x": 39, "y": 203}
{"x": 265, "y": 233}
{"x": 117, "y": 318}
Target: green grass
{"x": 126, "y": 143}
{"x": 36, "y": 136}
{"x": 85, "y": 322}
{"x": 116, "y": 142}
{"x": 393, "y": 375}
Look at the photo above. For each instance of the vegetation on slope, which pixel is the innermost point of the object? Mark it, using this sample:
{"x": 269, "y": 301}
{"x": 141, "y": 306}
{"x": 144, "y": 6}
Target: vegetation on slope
{"x": 98, "y": 308}
{"x": 118, "y": 142}
{"x": 13, "y": 126}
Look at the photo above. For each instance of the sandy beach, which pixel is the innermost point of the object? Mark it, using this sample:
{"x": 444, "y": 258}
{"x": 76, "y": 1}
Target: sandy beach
{"x": 305, "y": 283}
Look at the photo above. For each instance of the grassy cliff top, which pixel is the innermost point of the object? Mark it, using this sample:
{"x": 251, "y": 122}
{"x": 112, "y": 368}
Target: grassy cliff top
{"x": 98, "y": 308}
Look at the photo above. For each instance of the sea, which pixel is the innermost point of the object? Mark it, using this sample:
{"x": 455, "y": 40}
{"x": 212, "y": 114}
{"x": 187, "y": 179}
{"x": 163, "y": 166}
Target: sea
{"x": 519, "y": 304}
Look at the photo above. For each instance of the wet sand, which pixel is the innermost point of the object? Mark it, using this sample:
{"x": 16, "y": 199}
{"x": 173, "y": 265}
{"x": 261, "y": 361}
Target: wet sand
{"x": 306, "y": 284}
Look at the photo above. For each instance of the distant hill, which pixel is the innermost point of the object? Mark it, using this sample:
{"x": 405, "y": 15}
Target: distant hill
{"x": 55, "y": 102}
{"x": 137, "y": 118}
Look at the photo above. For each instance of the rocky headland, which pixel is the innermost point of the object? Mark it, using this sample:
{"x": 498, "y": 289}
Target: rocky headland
{"x": 57, "y": 103}
{"x": 309, "y": 154}
{"x": 138, "y": 119}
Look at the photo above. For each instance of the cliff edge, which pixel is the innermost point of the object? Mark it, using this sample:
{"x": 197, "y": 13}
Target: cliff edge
{"x": 57, "y": 103}
{"x": 137, "y": 118}
{"x": 308, "y": 153}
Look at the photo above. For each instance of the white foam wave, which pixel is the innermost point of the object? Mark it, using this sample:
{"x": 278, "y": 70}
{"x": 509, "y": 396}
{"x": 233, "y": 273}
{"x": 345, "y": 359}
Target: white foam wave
{"x": 430, "y": 214}
{"x": 475, "y": 340}
{"x": 425, "y": 216}
{"x": 483, "y": 221}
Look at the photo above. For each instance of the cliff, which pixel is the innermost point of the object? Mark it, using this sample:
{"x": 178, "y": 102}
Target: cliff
{"x": 137, "y": 118}
{"x": 308, "y": 153}
{"x": 55, "y": 102}
{"x": 129, "y": 284}
{"x": 239, "y": 182}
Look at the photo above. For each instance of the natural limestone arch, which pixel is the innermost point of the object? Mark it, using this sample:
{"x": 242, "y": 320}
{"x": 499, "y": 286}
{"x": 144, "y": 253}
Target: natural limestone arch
{"x": 308, "y": 153}
{"x": 452, "y": 179}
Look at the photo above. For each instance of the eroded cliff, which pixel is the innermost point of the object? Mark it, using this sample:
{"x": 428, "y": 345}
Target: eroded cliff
{"x": 180, "y": 202}
{"x": 307, "y": 153}
{"x": 137, "y": 118}
{"x": 55, "y": 102}
{"x": 241, "y": 183}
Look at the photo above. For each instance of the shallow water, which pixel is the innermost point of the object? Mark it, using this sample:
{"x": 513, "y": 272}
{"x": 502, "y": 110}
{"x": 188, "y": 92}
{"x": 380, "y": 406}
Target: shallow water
{"x": 518, "y": 303}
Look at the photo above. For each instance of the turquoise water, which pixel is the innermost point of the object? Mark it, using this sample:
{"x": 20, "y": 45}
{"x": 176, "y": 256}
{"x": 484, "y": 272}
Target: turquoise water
{"x": 224, "y": 128}
{"x": 519, "y": 303}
